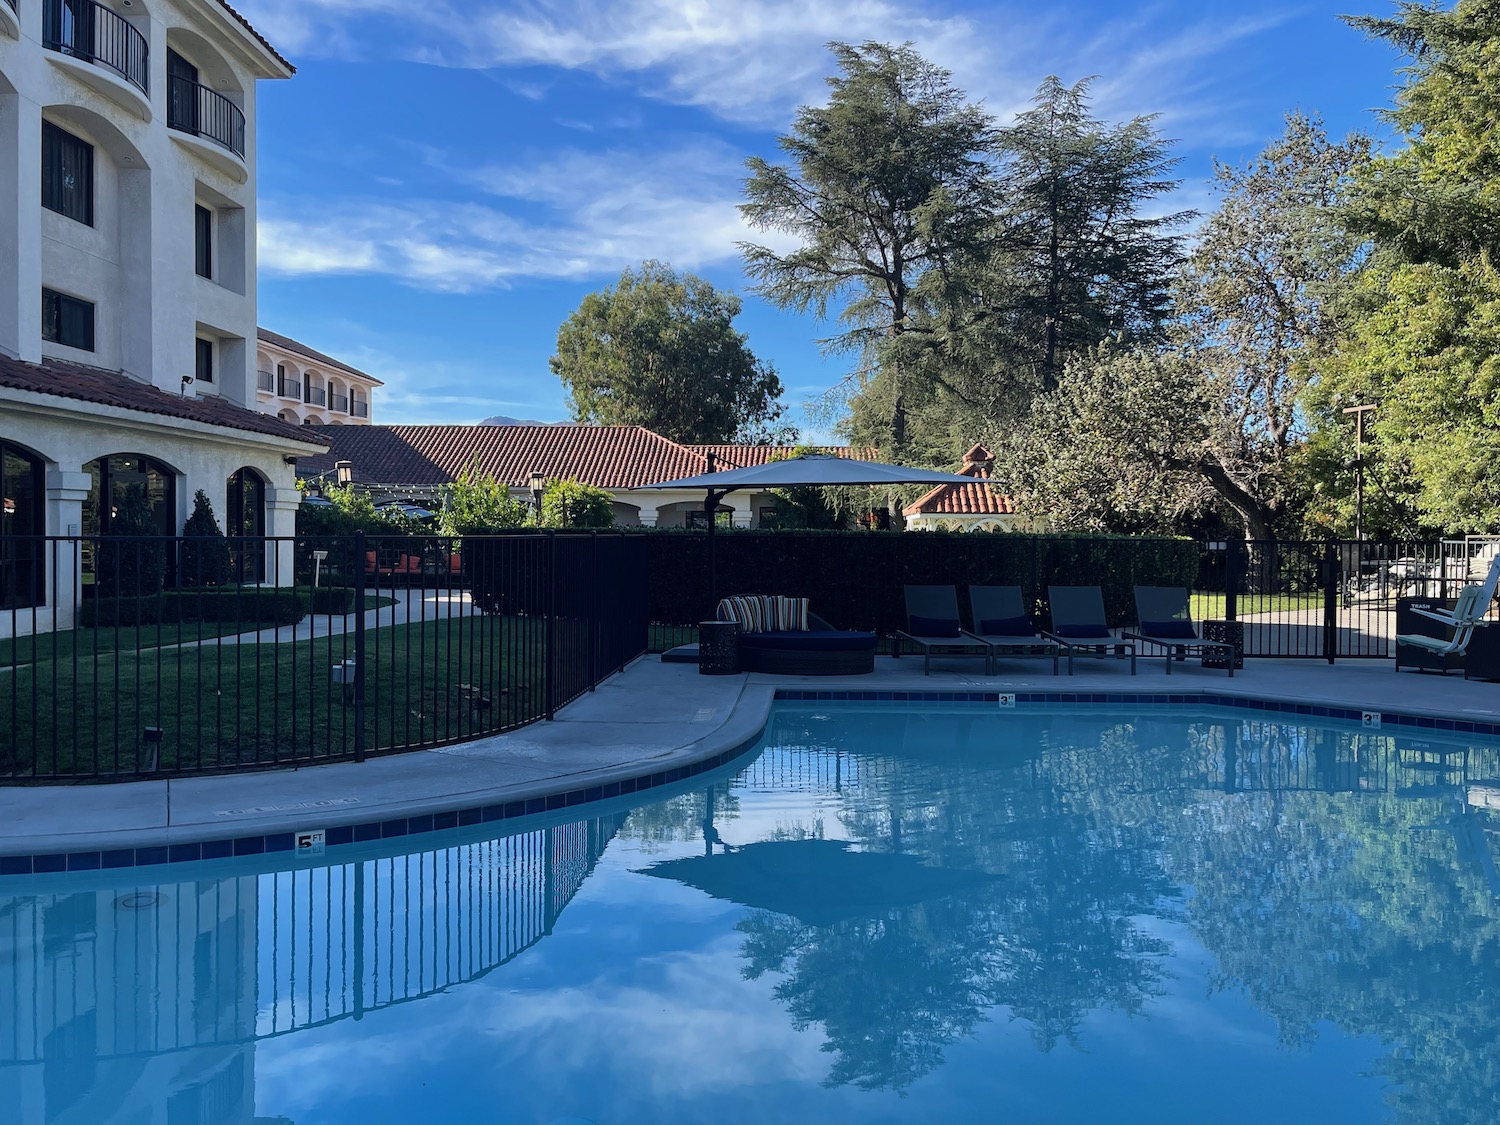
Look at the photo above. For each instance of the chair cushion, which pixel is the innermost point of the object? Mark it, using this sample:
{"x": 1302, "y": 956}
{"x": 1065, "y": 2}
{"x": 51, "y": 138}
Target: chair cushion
{"x": 1082, "y": 632}
{"x": 1177, "y": 630}
{"x": 760, "y": 613}
{"x": 1007, "y": 627}
{"x": 832, "y": 641}
{"x": 933, "y": 626}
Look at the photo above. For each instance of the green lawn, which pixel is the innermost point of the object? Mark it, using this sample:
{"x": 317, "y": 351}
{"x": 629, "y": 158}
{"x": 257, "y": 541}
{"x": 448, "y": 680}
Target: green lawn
{"x": 228, "y": 705}
{"x": 1210, "y": 607}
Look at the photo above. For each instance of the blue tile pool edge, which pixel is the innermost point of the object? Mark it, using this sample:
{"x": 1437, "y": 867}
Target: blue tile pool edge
{"x": 390, "y": 827}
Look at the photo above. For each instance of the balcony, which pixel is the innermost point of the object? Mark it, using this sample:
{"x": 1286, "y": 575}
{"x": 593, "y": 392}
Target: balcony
{"x": 316, "y": 396}
{"x": 9, "y": 23}
{"x": 290, "y": 388}
{"x": 359, "y": 408}
{"x": 90, "y": 34}
{"x": 194, "y": 109}
{"x": 265, "y": 381}
{"x": 338, "y": 402}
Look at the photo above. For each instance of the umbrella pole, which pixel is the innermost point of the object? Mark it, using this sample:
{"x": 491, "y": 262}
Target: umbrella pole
{"x": 711, "y": 503}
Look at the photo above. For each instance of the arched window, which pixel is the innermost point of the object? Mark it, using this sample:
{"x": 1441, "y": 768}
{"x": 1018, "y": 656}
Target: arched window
{"x": 112, "y": 479}
{"x": 245, "y": 517}
{"x": 22, "y": 523}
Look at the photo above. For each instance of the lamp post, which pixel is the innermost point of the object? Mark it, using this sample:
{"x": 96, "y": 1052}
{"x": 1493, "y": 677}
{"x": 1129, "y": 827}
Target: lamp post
{"x": 538, "y": 484}
{"x": 1359, "y": 413}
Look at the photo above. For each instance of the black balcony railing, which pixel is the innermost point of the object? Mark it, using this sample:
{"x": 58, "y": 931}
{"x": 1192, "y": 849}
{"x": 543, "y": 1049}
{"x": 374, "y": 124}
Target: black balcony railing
{"x": 193, "y": 108}
{"x": 359, "y": 408}
{"x": 290, "y": 388}
{"x": 316, "y": 396}
{"x": 265, "y": 380}
{"x": 14, "y": 5}
{"x": 339, "y": 402}
{"x": 95, "y": 34}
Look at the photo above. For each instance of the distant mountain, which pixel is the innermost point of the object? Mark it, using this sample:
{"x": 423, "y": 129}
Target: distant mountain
{"x": 507, "y": 420}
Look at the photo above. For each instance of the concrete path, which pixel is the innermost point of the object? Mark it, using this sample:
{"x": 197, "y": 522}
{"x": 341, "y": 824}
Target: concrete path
{"x": 652, "y": 717}
{"x": 411, "y": 607}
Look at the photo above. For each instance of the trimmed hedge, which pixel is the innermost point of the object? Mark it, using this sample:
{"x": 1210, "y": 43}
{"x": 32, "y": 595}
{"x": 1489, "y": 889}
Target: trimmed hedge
{"x": 334, "y": 600}
{"x": 254, "y": 607}
{"x": 855, "y": 578}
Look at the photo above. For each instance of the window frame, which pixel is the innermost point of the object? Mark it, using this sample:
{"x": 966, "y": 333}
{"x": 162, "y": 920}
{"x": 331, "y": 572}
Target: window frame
{"x": 77, "y": 204}
{"x": 54, "y": 303}
{"x": 203, "y": 360}
{"x": 203, "y": 241}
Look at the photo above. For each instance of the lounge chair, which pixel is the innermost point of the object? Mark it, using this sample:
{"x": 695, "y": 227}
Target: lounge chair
{"x": 933, "y": 625}
{"x": 1467, "y": 615}
{"x": 1486, "y": 595}
{"x": 1001, "y": 621}
{"x": 1079, "y": 625}
{"x": 783, "y": 636}
{"x": 1165, "y": 619}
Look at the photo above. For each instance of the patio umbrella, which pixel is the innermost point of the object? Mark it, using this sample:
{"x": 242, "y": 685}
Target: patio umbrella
{"x": 818, "y": 882}
{"x": 806, "y": 469}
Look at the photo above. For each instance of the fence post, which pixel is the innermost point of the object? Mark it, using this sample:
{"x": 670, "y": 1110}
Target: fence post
{"x": 1332, "y": 569}
{"x": 1233, "y": 569}
{"x": 549, "y": 631}
{"x": 359, "y": 646}
{"x": 593, "y": 610}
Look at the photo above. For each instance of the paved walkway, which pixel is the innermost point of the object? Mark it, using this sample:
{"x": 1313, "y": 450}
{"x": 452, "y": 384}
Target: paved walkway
{"x": 652, "y": 717}
{"x": 411, "y": 607}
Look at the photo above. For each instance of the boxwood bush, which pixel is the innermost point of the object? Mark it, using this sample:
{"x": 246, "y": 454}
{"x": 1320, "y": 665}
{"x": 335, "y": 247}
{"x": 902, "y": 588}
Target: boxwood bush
{"x": 254, "y": 607}
{"x": 855, "y": 578}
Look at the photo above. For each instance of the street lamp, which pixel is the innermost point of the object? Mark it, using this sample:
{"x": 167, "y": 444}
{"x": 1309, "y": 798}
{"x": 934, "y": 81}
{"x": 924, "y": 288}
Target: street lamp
{"x": 1359, "y": 413}
{"x": 343, "y": 472}
{"x": 538, "y": 484}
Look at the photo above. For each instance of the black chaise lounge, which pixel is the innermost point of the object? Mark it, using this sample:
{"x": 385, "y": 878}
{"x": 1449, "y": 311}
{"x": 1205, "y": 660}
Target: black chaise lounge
{"x": 780, "y": 635}
{"x": 933, "y": 625}
{"x": 1001, "y": 621}
{"x": 1166, "y": 620}
{"x": 1079, "y": 625}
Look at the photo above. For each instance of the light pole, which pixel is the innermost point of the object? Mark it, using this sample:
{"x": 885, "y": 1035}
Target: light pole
{"x": 1359, "y": 413}
{"x": 538, "y": 484}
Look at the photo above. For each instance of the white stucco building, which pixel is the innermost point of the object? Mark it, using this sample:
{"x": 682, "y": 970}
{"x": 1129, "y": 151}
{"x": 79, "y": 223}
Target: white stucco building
{"x": 306, "y": 387}
{"x": 127, "y": 283}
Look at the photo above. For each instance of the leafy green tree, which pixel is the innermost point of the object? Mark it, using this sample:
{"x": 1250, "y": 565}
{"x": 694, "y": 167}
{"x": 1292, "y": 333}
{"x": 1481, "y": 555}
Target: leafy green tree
{"x": 205, "y": 551}
{"x": 132, "y": 555}
{"x": 886, "y": 183}
{"x": 478, "y": 503}
{"x": 660, "y": 350}
{"x": 1424, "y": 338}
{"x": 567, "y": 503}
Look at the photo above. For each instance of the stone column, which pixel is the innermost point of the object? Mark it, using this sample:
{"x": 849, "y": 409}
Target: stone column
{"x": 648, "y": 516}
{"x": 66, "y": 492}
{"x": 281, "y": 526}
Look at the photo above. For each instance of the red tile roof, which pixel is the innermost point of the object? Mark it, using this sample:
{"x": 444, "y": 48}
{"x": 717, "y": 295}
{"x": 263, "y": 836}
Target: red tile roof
{"x": 966, "y": 499}
{"x": 111, "y": 388}
{"x": 287, "y": 343}
{"x": 606, "y": 456}
{"x": 744, "y": 456}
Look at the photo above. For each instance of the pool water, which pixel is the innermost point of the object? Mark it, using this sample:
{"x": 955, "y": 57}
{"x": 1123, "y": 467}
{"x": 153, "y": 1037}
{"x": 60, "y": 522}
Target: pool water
{"x": 888, "y": 913}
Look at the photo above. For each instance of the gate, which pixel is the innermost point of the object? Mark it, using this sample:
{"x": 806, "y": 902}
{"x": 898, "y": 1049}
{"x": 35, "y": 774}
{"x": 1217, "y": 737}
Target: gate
{"x": 1330, "y": 598}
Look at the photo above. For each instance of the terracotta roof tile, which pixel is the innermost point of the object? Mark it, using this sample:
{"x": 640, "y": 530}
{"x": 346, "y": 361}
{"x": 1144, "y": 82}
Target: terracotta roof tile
{"x": 261, "y": 39}
{"x": 606, "y": 456}
{"x": 744, "y": 456}
{"x": 111, "y": 388}
{"x": 966, "y": 499}
{"x": 287, "y": 343}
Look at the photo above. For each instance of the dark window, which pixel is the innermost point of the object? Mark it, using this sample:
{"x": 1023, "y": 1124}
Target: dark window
{"x": 245, "y": 515}
{"x": 203, "y": 367}
{"x": 203, "y": 242}
{"x": 281, "y": 378}
{"x": 67, "y": 320}
{"x": 67, "y": 174}
{"x": 22, "y": 516}
{"x": 182, "y": 93}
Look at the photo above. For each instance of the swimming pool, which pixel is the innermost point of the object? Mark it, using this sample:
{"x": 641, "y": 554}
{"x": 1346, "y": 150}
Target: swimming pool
{"x": 889, "y": 913}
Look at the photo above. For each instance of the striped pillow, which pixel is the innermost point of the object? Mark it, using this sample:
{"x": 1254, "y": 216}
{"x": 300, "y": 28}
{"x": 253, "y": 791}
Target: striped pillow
{"x": 765, "y": 613}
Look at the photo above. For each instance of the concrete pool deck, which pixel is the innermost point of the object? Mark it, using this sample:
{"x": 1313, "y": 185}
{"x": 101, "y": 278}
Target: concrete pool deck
{"x": 651, "y": 718}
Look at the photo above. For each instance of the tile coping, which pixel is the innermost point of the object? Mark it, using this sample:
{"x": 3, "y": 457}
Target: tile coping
{"x": 393, "y": 827}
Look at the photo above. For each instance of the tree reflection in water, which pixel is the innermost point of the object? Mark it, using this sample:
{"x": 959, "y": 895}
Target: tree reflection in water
{"x": 1318, "y": 868}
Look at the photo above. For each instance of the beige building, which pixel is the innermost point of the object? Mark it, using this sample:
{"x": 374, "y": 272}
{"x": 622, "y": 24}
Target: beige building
{"x": 306, "y": 387}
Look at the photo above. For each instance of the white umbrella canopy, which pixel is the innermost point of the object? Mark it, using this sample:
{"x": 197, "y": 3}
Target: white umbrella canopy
{"x": 812, "y": 469}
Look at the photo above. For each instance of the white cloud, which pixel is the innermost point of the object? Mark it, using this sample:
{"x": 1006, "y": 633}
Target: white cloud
{"x": 573, "y": 215}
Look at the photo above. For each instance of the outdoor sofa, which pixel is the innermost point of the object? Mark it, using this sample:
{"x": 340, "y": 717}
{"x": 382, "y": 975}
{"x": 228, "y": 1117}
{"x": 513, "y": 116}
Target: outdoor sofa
{"x": 781, "y": 635}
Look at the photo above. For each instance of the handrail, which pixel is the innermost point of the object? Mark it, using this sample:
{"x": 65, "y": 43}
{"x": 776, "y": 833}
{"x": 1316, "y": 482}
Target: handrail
{"x": 339, "y": 402}
{"x": 195, "y": 108}
{"x": 95, "y": 34}
{"x": 315, "y": 395}
{"x": 265, "y": 380}
{"x": 359, "y": 408}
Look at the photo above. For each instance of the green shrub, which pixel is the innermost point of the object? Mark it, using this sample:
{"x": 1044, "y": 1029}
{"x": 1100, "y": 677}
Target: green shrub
{"x": 254, "y": 607}
{"x": 855, "y": 578}
{"x": 332, "y": 599}
{"x": 131, "y": 560}
{"x": 204, "y": 559}
{"x": 568, "y": 504}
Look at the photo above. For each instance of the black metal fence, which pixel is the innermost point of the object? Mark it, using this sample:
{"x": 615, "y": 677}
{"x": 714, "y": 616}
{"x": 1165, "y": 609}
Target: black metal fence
{"x": 150, "y": 656}
{"x": 1324, "y": 599}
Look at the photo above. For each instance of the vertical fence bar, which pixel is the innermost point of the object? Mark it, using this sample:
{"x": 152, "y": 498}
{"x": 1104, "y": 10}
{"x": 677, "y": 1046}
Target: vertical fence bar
{"x": 549, "y": 627}
{"x": 359, "y": 646}
{"x": 1331, "y": 571}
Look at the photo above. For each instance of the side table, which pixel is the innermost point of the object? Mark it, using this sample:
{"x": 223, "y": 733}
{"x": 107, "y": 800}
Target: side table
{"x": 1229, "y": 632}
{"x": 718, "y": 648}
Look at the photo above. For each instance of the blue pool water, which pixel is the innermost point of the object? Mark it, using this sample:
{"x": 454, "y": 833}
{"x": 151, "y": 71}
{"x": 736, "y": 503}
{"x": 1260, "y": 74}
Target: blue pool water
{"x": 887, "y": 914}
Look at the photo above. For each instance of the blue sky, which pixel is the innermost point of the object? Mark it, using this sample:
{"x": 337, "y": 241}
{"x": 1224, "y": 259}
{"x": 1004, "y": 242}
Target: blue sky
{"x": 443, "y": 181}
